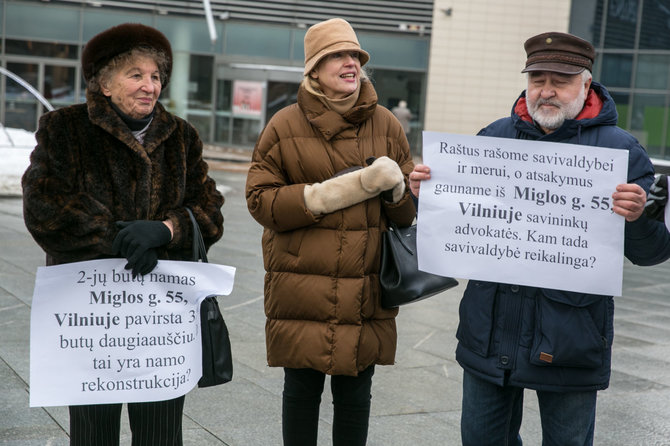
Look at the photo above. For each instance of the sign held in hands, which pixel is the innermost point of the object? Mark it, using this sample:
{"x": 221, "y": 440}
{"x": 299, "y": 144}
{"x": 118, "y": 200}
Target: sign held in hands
{"x": 99, "y": 335}
{"x": 524, "y": 212}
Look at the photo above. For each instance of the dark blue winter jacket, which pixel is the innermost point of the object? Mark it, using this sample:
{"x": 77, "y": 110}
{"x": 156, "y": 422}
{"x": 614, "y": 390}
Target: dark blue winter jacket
{"x": 548, "y": 339}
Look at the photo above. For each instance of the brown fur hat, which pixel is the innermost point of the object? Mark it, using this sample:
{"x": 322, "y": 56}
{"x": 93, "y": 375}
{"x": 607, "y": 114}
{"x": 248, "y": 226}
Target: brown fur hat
{"x": 108, "y": 44}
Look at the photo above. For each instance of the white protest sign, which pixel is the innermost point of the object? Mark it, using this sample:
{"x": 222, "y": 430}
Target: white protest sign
{"x": 98, "y": 335}
{"x": 523, "y": 212}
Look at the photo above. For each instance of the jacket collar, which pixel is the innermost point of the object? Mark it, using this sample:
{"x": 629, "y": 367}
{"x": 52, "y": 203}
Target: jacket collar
{"x": 599, "y": 109}
{"x": 329, "y": 122}
{"x": 592, "y": 107}
{"x": 103, "y": 115}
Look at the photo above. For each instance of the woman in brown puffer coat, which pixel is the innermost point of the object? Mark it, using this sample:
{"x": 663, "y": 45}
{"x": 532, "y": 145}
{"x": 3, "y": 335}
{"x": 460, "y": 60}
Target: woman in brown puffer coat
{"x": 327, "y": 174}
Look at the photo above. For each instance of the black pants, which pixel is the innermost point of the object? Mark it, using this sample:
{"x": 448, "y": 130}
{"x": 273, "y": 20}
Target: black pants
{"x": 152, "y": 424}
{"x": 302, "y": 398}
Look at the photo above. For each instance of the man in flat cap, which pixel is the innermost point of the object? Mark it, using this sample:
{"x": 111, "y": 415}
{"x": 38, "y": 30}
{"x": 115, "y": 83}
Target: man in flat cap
{"x": 558, "y": 343}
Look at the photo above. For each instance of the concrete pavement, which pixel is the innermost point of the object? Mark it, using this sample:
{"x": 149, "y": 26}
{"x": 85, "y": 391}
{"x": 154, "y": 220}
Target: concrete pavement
{"x": 415, "y": 403}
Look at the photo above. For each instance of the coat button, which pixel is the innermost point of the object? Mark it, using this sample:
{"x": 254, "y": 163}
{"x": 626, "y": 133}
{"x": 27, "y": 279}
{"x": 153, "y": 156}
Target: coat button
{"x": 514, "y": 288}
{"x": 504, "y": 360}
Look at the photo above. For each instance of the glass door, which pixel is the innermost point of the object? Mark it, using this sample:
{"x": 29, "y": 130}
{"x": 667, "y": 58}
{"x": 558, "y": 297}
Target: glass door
{"x": 20, "y": 105}
{"x": 55, "y": 82}
{"x": 240, "y": 107}
{"x": 247, "y": 96}
{"x": 59, "y": 85}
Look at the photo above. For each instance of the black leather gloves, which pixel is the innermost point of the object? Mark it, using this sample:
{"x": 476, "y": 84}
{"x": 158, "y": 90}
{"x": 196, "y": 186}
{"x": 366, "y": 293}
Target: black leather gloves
{"x": 136, "y": 242}
{"x": 657, "y": 198}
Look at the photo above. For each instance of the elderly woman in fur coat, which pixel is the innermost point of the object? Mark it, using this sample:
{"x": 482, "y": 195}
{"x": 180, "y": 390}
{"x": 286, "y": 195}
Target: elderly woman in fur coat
{"x": 323, "y": 209}
{"x": 113, "y": 178}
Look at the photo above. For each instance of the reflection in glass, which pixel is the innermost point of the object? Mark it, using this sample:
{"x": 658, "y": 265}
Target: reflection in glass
{"x": 648, "y": 119}
{"x": 257, "y": 40}
{"x": 586, "y": 29}
{"x": 222, "y": 129}
{"x": 621, "y": 24}
{"x": 393, "y": 86}
{"x": 655, "y": 29}
{"x": 246, "y": 131}
{"x": 202, "y": 123}
{"x": 200, "y": 82}
{"x": 223, "y": 122}
{"x": 20, "y": 115}
{"x": 616, "y": 70}
{"x": 41, "y": 49}
{"x": 279, "y": 95}
{"x": 34, "y": 20}
{"x": 652, "y": 71}
{"x": 622, "y": 101}
{"x": 224, "y": 95}
{"x": 59, "y": 85}
{"x": 21, "y": 105}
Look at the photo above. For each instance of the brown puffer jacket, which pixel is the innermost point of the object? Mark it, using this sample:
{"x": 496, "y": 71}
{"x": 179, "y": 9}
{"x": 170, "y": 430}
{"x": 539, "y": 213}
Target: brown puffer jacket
{"x": 322, "y": 294}
{"x": 88, "y": 171}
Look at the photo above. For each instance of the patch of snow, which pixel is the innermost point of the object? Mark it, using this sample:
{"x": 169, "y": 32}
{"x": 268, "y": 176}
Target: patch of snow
{"x": 15, "y": 148}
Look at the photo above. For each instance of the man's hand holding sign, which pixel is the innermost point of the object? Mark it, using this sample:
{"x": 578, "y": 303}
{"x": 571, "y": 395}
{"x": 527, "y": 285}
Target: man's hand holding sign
{"x": 525, "y": 212}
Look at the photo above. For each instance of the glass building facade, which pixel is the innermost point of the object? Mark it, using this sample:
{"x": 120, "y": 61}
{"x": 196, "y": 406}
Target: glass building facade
{"x": 227, "y": 88}
{"x": 632, "y": 41}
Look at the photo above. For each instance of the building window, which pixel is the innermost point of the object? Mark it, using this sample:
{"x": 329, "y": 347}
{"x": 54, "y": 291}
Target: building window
{"x": 616, "y": 70}
{"x": 41, "y": 49}
{"x": 655, "y": 29}
{"x": 224, "y": 100}
{"x": 621, "y": 24}
{"x": 200, "y": 82}
{"x": 633, "y": 62}
{"x": 652, "y": 71}
{"x": 648, "y": 121}
{"x": 21, "y": 106}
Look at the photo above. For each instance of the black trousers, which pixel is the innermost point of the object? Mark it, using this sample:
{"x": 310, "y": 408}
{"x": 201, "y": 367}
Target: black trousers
{"x": 152, "y": 424}
{"x": 302, "y": 398}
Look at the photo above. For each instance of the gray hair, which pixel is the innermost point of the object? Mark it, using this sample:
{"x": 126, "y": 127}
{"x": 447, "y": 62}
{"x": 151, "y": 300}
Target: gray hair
{"x": 105, "y": 74}
{"x": 586, "y": 75}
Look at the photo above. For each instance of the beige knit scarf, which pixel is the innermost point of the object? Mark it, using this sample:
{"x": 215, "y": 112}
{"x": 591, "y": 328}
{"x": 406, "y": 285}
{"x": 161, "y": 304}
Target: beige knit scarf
{"x": 340, "y": 106}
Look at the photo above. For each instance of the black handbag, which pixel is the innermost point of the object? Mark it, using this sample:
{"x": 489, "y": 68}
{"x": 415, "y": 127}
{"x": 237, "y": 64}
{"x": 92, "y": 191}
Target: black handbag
{"x": 217, "y": 359}
{"x": 401, "y": 280}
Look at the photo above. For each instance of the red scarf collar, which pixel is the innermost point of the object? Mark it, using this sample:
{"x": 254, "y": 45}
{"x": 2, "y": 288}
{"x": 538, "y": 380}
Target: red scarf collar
{"x": 592, "y": 107}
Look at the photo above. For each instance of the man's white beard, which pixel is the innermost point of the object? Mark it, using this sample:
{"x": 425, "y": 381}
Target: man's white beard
{"x": 554, "y": 118}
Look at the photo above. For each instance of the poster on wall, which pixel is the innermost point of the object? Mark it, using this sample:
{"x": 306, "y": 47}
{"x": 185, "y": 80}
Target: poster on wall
{"x": 247, "y": 98}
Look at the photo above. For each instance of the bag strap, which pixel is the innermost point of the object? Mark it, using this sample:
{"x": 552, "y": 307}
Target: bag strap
{"x": 199, "y": 250}
{"x": 397, "y": 233}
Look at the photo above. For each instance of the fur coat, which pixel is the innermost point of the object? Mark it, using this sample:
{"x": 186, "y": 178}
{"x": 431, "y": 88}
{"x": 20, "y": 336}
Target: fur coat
{"x": 322, "y": 293}
{"x": 88, "y": 172}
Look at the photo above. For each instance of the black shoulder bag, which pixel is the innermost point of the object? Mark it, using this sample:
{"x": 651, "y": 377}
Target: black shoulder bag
{"x": 401, "y": 280}
{"x": 217, "y": 359}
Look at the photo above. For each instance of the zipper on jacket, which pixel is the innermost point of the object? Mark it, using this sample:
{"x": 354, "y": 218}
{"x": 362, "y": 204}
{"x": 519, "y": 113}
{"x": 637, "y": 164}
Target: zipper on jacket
{"x": 511, "y": 300}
